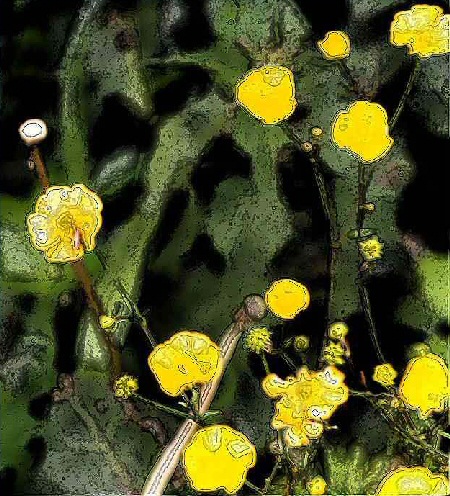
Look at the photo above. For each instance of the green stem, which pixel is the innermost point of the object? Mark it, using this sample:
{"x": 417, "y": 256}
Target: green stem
{"x": 444, "y": 434}
{"x": 289, "y": 361}
{"x": 268, "y": 481}
{"x": 406, "y": 92}
{"x": 160, "y": 406}
{"x": 265, "y": 363}
{"x": 253, "y": 487}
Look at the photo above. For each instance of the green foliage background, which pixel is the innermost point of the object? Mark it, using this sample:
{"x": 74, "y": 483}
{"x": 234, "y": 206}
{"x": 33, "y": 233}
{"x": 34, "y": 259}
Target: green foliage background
{"x": 204, "y": 205}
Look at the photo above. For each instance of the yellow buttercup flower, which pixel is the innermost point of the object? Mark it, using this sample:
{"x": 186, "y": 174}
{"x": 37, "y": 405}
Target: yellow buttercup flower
{"x": 186, "y": 359}
{"x": 218, "y": 457}
{"x": 335, "y": 45}
{"x": 258, "y": 339}
{"x": 125, "y": 386}
{"x": 286, "y": 298}
{"x": 306, "y": 401}
{"x": 106, "y": 322}
{"x": 362, "y": 129}
{"x": 333, "y": 353}
{"x": 338, "y": 330}
{"x": 65, "y": 223}
{"x": 371, "y": 248}
{"x": 425, "y": 384}
{"x": 424, "y": 29}
{"x": 268, "y": 93}
{"x": 317, "y": 486}
{"x": 413, "y": 481}
{"x": 385, "y": 374}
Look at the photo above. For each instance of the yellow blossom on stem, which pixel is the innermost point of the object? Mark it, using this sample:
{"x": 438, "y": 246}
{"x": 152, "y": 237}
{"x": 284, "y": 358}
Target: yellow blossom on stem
{"x": 425, "y": 384}
{"x": 335, "y": 45}
{"x": 306, "y": 400}
{"x": 106, "y": 322}
{"x": 338, "y": 330}
{"x": 424, "y": 29}
{"x": 268, "y": 93}
{"x": 186, "y": 359}
{"x": 301, "y": 343}
{"x": 371, "y": 248}
{"x": 218, "y": 457}
{"x": 317, "y": 486}
{"x": 258, "y": 339}
{"x": 363, "y": 130}
{"x": 385, "y": 374}
{"x": 125, "y": 386}
{"x": 333, "y": 353}
{"x": 65, "y": 222}
{"x": 286, "y": 298}
{"x": 414, "y": 481}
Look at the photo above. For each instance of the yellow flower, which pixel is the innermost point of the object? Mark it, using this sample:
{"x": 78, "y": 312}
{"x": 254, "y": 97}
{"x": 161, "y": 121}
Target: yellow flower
{"x": 106, "y": 322}
{"x": 317, "y": 485}
{"x": 218, "y": 457}
{"x": 333, "y": 353}
{"x": 371, "y": 248}
{"x": 268, "y": 93}
{"x": 125, "y": 386}
{"x": 65, "y": 223}
{"x": 413, "y": 481}
{"x": 338, "y": 330}
{"x": 335, "y": 45}
{"x": 301, "y": 343}
{"x": 385, "y": 374}
{"x": 306, "y": 401}
{"x": 425, "y": 384}
{"x": 363, "y": 130}
{"x": 424, "y": 28}
{"x": 258, "y": 340}
{"x": 286, "y": 298}
{"x": 186, "y": 359}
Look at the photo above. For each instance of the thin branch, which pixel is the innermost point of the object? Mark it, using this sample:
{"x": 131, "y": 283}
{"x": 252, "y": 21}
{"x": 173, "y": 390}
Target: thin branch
{"x": 405, "y": 94}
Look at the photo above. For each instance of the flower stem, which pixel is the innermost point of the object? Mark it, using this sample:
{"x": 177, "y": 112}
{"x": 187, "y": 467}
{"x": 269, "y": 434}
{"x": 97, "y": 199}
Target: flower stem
{"x": 41, "y": 170}
{"x": 160, "y": 406}
{"x": 444, "y": 434}
{"x": 253, "y": 487}
{"x": 265, "y": 363}
{"x": 405, "y": 94}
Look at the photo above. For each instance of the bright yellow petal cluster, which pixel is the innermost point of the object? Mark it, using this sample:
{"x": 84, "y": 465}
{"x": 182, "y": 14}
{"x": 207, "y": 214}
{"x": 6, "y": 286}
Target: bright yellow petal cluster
{"x": 363, "y": 130}
{"x": 125, "y": 386}
{"x": 338, "y": 330}
{"x": 286, "y": 298}
{"x": 333, "y": 353}
{"x": 424, "y": 29}
{"x": 65, "y": 223}
{"x": 425, "y": 384}
{"x": 258, "y": 339}
{"x": 413, "y": 481}
{"x": 218, "y": 457}
{"x": 186, "y": 359}
{"x": 268, "y": 93}
{"x": 385, "y": 374}
{"x": 371, "y": 248}
{"x": 106, "y": 322}
{"x": 317, "y": 486}
{"x": 335, "y": 45}
{"x": 306, "y": 401}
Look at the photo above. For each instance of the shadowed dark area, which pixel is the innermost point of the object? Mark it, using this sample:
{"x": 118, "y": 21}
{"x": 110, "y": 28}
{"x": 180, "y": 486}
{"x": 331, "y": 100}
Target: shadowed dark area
{"x": 221, "y": 159}
{"x": 324, "y": 15}
{"x": 40, "y": 406}
{"x": 203, "y": 252}
{"x": 8, "y": 477}
{"x": 37, "y": 447}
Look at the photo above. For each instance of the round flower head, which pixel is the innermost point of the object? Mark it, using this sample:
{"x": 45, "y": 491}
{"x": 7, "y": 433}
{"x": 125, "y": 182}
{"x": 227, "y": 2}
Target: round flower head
{"x": 371, "y": 248}
{"x": 424, "y": 29}
{"x": 65, "y": 223}
{"x": 335, "y": 45}
{"x": 301, "y": 343}
{"x": 338, "y": 330}
{"x": 414, "y": 481}
{"x": 286, "y": 298}
{"x": 268, "y": 93}
{"x": 186, "y": 359}
{"x": 106, "y": 322}
{"x": 258, "y": 339}
{"x": 317, "y": 485}
{"x": 425, "y": 384}
{"x": 334, "y": 353}
{"x": 363, "y": 130}
{"x": 385, "y": 374}
{"x": 305, "y": 402}
{"x": 218, "y": 457}
{"x": 125, "y": 386}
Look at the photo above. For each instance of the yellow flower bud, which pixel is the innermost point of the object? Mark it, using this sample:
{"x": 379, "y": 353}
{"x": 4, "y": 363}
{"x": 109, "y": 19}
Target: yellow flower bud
{"x": 106, "y": 322}
{"x": 301, "y": 343}
{"x": 317, "y": 132}
{"x": 317, "y": 486}
{"x": 125, "y": 386}
{"x": 258, "y": 340}
{"x": 385, "y": 374}
{"x": 338, "y": 330}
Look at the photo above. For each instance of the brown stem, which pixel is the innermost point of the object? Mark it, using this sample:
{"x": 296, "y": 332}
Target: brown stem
{"x": 41, "y": 170}
{"x": 252, "y": 311}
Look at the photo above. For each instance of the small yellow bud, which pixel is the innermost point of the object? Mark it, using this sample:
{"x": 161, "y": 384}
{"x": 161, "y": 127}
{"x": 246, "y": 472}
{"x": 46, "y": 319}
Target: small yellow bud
{"x": 106, "y": 322}
{"x": 368, "y": 207}
{"x": 317, "y": 486}
{"x": 125, "y": 386}
{"x": 334, "y": 353}
{"x": 258, "y": 339}
{"x": 385, "y": 374}
{"x": 317, "y": 132}
{"x": 307, "y": 147}
{"x": 301, "y": 343}
{"x": 338, "y": 330}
